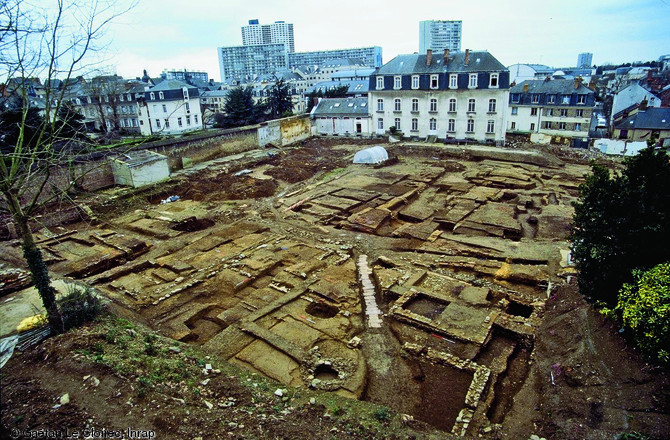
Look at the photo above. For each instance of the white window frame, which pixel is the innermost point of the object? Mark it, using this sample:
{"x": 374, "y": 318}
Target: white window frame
{"x": 433, "y": 105}
{"x": 471, "y": 126}
{"x": 380, "y": 123}
{"x": 490, "y": 126}
{"x": 380, "y": 83}
{"x": 472, "y": 105}
{"x": 396, "y": 124}
{"x": 515, "y": 110}
{"x": 397, "y": 82}
{"x": 380, "y": 105}
{"x": 581, "y": 99}
{"x": 161, "y": 95}
{"x": 164, "y": 108}
{"x": 432, "y": 124}
{"x": 492, "y": 105}
{"x": 451, "y": 127}
{"x": 415, "y": 124}
{"x": 472, "y": 81}
{"x": 415, "y": 104}
{"x": 434, "y": 82}
{"x": 397, "y": 105}
{"x": 453, "y": 81}
{"x": 415, "y": 82}
{"x": 453, "y": 105}
{"x": 152, "y": 96}
{"x": 494, "y": 77}
{"x": 535, "y": 98}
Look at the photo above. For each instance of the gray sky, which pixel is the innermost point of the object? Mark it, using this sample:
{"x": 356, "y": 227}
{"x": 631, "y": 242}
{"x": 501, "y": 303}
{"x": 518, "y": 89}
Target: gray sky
{"x": 159, "y": 34}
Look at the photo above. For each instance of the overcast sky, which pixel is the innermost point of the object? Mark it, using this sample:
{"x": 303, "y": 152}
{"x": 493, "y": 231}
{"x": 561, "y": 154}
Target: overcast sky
{"x": 159, "y": 34}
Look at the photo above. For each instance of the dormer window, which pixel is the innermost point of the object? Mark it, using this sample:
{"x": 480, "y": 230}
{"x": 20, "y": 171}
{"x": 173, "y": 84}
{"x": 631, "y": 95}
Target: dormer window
{"x": 453, "y": 81}
{"x": 161, "y": 95}
{"x": 152, "y": 96}
{"x": 185, "y": 92}
{"x": 535, "y": 98}
{"x": 121, "y": 98}
{"x": 380, "y": 83}
{"x": 472, "y": 83}
{"x": 397, "y": 82}
{"x": 130, "y": 98}
{"x": 493, "y": 81}
{"x": 434, "y": 82}
{"x": 415, "y": 81}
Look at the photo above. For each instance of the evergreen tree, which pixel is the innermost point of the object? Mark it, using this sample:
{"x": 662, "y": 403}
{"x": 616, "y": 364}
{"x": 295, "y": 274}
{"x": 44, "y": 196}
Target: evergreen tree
{"x": 279, "y": 102}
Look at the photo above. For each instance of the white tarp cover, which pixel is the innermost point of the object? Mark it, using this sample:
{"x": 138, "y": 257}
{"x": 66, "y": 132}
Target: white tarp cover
{"x": 372, "y": 155}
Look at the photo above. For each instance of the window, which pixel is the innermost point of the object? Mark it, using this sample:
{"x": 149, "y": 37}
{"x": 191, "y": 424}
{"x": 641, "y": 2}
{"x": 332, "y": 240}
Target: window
{"x": 533, "y": 111}
{"x": 188, "y": 120}
{"x": 535, "y": 98}
{"x": 566, "y": 99}
{"x": 552, "y": 99}
{"x": 578, "y": 127}
{"x": 195, "y": 119}
{"x": 88, "y": 99}
{"x": 434, "y": 81}
{"x": 581, "y": 99}
{"x": 515, "y": 110}
{"x": 471, "y": 126}
{"x": 123, "y": 122}
{"x": 472, "y": 83}
{"x": 513, "y": 127}
{"x": 471, "y": 104}
{"x": 492, "y": 105}
{"x": 380, "y": 82}
{"x": 396, "y": 105}
{"x": 161, "y": 95}
{"x": 124, "y": 109}
{"x": 158, "y": 123}
{"x": 121, "y": 98}
{"x": 397, "y": 123}
{"x": 452, "y": 105}
{"x": 415, "y": 124}
{"x": 134, "y": 122}
{"x": 167, "y": 123}
{"x": 451, "y": 126}
{"x": 380, "y": 124}
{"x": 380, "y": 105}
{"x": 129, "y": 97}
{"x": 415, "y": 104}
{"x": 561, "y": 125}
{"x": 493, "y": 80}
{"x": 453, "y": 81}
{"x": 397, "y": 82}
{"x": 188, "y": 109}
{"x": 515, "y": 97}
{"x": 106, "y": 98}
{"x": 547, "y": 124}
{"x": 532, "y": 126}
{"x": 164, "y": 108}
{"x": 564, "y": 112}
{"x": 415, "y": 81}
{"x": 152, "y": 96}
{"x": 185, "y": 92}
{"x": 179, "y": 122}
{"x": 490, "y": 126}
{"x": 432, "y": 124}
{"x": 433, "y": 104}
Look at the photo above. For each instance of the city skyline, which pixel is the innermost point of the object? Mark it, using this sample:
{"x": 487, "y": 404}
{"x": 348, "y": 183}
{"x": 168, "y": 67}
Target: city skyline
{"x": 552, "y": 34}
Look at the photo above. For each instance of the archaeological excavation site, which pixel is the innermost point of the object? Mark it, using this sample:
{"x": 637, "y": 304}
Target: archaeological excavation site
{"x": 419, "y": 284}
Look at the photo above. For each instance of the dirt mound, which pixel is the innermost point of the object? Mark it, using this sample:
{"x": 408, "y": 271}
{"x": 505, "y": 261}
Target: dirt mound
{"x": 303, "y": 163}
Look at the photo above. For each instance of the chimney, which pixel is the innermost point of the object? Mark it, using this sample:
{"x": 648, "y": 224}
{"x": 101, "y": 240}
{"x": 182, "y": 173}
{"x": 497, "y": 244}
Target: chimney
{"x": 467, "y": 57}
{"x": 643, "y": 105}
{"x": 578, "y": 81}
{"x": 446, "y": 56}
{"x": 592, "y": 85}
{"x": 429, "y": 57}
{"x": 525, "y": 88}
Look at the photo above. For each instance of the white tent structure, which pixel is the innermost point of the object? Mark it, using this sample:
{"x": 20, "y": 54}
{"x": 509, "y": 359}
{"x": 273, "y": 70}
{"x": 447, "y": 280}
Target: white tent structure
{"x": 372, "y": 155}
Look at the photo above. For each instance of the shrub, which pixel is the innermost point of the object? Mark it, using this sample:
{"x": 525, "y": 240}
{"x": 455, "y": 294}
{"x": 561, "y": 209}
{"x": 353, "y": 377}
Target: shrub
{"x": 382, "y": 414}
{"x": 79, "y": 305}
{"x": 645, "y": 308}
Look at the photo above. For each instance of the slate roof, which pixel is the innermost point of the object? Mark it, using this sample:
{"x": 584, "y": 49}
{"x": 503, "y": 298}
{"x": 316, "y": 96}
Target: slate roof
{"x": 341, "y": 106}
{"x": 551, "y": 87}
{"x": 364, "y": 72}
{"x": 170, "y": 84}
{"x": 480, "y": 61}
{"x": 653, "y": 118}
{"x": 355, "y": 86}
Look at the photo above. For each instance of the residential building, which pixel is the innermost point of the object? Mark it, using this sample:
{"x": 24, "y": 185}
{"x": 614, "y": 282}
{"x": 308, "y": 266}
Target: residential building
{"x": 245, "y": 63}
{"x": 439, "y": 35}
{"x": 170, "y": 107}
{"x": 451, "y": 96}
{"x": 212, "y": 102}
{"x": 584, "y": 60}
{"x": 645, "y": 123}
{"x": 522, "y": 72}
{"x": 277, "y": 32}
{"x": 185, "y": 75}
{"x": 556, "y": 107}
{"x": 630, "y": 97}
{"x": 342, "y": 117}
{"x": 371, "y": 56}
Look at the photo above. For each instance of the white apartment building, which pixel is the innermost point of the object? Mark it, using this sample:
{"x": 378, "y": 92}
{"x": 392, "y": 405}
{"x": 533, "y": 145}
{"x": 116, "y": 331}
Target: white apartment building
{"x": 453, "y": 96}
{"x": 438, "y": 35}
{"x": 170, "y": 107}
{"x": 277, "y": 32}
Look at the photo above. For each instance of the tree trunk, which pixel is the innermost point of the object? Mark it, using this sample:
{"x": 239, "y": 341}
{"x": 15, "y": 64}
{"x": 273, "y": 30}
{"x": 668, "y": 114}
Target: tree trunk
{"x": 38, "y": 269}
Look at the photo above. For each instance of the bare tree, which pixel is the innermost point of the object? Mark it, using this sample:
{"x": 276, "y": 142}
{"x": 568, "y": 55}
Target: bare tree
{"x": 55, "y": 44}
